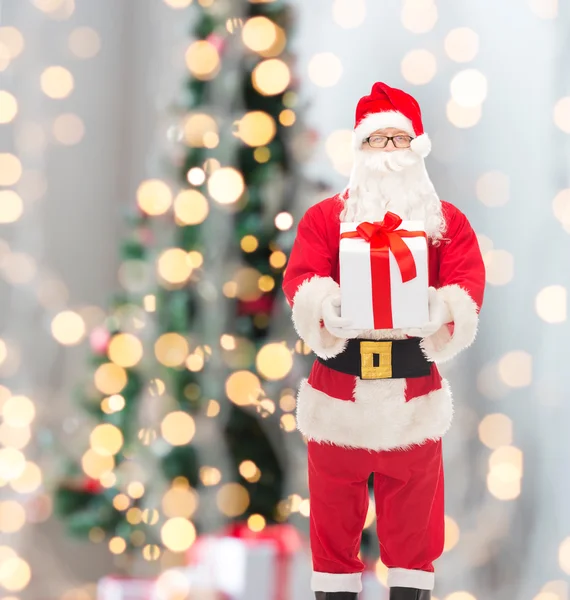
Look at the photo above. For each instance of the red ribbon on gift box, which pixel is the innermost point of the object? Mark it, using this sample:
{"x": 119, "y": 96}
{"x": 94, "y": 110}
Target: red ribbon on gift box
{"x": 384, "y": 237}
{"x": 287, "y": 541}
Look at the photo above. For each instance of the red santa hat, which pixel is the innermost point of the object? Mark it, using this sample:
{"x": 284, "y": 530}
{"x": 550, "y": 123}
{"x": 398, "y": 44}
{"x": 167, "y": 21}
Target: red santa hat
{"x": 389, "y": 107}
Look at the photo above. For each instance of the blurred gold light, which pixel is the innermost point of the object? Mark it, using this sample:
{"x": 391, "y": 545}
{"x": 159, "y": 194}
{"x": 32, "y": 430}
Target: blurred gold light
{"x": 149, "y": 302}
{"x": 349, "y": 14}
{"x": 287, "y": 117}
{"x": 551, "y": 304}
{"x": 12, "y": 516}
{"x": 110, "y": 378}
{"x": 419, "y": 16}
{"x": 496, "y": 430}
{"x": 210, "y": 475}
{"x": 106, "y": 439}
{"x": 177, "y": 4}
{"x": 14, "y": 437}
{"x": 284, "y": 221}
{"x": 256, "y": 523}
{"x": 190, "y": 207}
{"x": 419, "y": 67}
{"x": 249, "y": 243}
{"x": 180, "y": 502}
{"x": 507, "y": 462}
{"x": 499, "y": 266}
{"x": 95, "y": 464}
{"x": 325, "y": 69}
{"x": 462, "y": 44}
{"x": 135, "y": 489}
{"x": 243, "y": 387}
{"x": 4, "y": 393}
{"x": 125, "y": 350}
{"x": 469, "y": 88}
{"x": 451, "y": 534}
{"x": 463, "y": 117}
{"x": 562, "y": 114}
{"x": 288, "y": 422}
{"x": 266, "y": 283}
{"x": 232, "y": 499}
{"x": 121, "y": 502}
{"x": 502, "y": 485}
{"x": 10, "y": 169}
{"x": 12, "y": 41}
{"x": 196, "y": 259}
{"x": 150, "y": 516}
{"x": 117, "y": 545}
{"x": 154, "y": 197}
{"x": 12, "y": 464}
{"x": 545, "y": 9}
{"x": 4, "y": 56}
{"x": 338, "y": 147}
{"x": 8, "y": 107}
{"x": 460, "y": 596}
{"x": 178, "y": 428}
{"x": 213, "y": 409}
{"x": 564, "y": 556}
{"x": 84, "y": 42}
{"x": 226, "y": 185}
{"x": 259, "y": 34}
{"x": 57, "y": 82}
{"x": 15, "y": 574}
{"x": 196, "y": 127}
{"x": 287, "y": 402}
{"x": 196, "y": 176}
{"x": 228, "y": 342}
{"x": 515, "y": 369}
{"x": 29, "y": 480}
{"x": 278, "y": 259}
{"x": 274, "y": 361}
{"x": 561, "y": 207}
{"x": 248, "y": 470}
{"x": 202, "y": 60}
{"x": 151, "y": 552}
{"x": 19, "y": 268}
{"x": 18, "y": 411}
{"x": 178, "y": 534}
{"x": 493, "y": 188}
{"x": 116, "y": 402}
{"x": 68, "y": 328}
{"x": 174, "y": 266}
{"x": 262, "y": 154}
{"x": 271, "y": 77}
{"x": 171, "y": 349}
{"x": 96, "y": 535}
{"x": 256, "y": 128}
{"x": 68, "y": 129}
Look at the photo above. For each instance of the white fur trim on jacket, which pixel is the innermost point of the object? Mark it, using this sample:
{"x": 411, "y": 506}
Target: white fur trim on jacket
{"x": 378, "y": 419}
{"x": 411, "y": 578}
{"x": 308, "y": 312}
{"x": 421, "y": 145}
{"x": 442, "y": 346}
{"x": 336, "y": 582}
{"x": 381, "y": 120}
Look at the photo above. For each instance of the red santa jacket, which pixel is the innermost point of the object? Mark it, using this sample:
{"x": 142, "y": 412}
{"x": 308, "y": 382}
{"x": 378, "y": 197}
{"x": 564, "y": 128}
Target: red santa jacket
{"x": 379, "y": 414}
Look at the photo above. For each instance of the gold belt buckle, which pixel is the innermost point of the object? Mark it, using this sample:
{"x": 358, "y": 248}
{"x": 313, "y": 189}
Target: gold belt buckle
{"x": 367, "y": 352}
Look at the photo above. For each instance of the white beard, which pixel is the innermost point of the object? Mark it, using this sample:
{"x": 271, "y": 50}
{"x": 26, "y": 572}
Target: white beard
{"x": 392, "y": 181}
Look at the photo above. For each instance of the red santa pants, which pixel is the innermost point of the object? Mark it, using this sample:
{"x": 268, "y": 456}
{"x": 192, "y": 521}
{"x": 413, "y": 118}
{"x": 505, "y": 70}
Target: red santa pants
{"x": 408, "y": 490}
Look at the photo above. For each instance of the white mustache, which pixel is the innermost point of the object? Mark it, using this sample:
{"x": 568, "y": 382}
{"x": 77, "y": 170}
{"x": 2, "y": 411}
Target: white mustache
{"x": 388, "y": 162}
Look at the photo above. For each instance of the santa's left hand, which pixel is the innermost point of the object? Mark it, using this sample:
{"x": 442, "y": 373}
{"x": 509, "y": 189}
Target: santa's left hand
{"x": 439, "y": 315}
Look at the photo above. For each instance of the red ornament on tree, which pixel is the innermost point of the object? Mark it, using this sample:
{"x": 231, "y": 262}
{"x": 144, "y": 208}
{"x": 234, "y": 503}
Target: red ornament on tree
{"x": 99, "y": 340}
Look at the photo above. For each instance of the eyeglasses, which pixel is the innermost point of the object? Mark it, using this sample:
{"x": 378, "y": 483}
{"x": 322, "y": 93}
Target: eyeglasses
{"x": 381, "y": 141}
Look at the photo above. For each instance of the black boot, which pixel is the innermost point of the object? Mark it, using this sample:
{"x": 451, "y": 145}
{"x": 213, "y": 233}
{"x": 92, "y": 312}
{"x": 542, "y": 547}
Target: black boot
{"x": 400, "y": 593}
{"x": 336, "y": 596}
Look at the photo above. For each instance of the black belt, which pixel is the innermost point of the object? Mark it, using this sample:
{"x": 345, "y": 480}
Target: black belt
{"x": 381, "y": 359}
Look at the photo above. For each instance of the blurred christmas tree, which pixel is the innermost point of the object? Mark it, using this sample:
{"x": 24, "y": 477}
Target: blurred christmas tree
{"x": 189, "y": 373}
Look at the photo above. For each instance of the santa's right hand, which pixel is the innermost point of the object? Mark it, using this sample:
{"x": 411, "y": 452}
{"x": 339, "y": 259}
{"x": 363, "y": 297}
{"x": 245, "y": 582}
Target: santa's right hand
{"x": 334, "y": 323}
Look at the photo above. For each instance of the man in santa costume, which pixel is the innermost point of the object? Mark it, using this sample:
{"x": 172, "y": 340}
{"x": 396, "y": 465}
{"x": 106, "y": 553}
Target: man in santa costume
{"x": 390, "y": 426}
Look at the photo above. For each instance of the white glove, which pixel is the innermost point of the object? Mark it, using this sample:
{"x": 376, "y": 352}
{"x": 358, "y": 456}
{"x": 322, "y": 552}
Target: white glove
{"x": 334, "y": 323}
{"x": 439, "y": 315}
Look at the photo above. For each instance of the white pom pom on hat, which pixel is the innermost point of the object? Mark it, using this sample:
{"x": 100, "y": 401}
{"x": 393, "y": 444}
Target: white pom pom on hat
{"x": 389, "y": 107}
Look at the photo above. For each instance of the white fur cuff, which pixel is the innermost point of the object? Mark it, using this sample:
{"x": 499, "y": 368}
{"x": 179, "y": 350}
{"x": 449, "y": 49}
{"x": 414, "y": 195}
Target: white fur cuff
{"x": 336, "y": 582}
{"x": 410, "y": 578}
{"x": 308, "y": 312}
{"x": 421, "y": 145}
{"x": 442, "y": 345}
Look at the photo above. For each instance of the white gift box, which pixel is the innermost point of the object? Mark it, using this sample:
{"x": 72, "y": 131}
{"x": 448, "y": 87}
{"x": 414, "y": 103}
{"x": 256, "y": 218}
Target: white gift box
{"x": 122, "y": 588}
{"x": 409, "y": 301}
{"x": 246, "y": 570}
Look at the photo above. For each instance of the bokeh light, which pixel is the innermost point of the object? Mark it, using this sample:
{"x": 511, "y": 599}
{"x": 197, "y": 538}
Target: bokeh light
{"x": 57, "y": 82}
{"x": 551, "y": 304}
{"x": 171, "y": 349}
{"x": 29, "y": 481}
{"x": 515, "y": 369}
{"x": 232, "y": 499}
{"x": 469, "y": 88}
{"x": 284, "y": 221}
{"x": 499, "y": 267}
{"x": 191, "y": 207}
{"x": 226, "y": 185}
{"x": 18, "y": 411}
{"x": 196, "y": 176}
{"x": 110, "y": 378}
{"x": 493, "y": 188}
{"x": 106, "y": 439}
{"x": 338, "y": 147}
{"x": 462, "y": 44}
{"x": 12, "y": 464}
{"x": 84, "y": 42}
{"x": 419, "y": 67}
{"x": 451, "y": 534}
{"x": 8, "y": 107}
{"x": 11, "y": 206}
{"x": 255, "y": 128}
{"x": 117, "y": 545}
{"x": 180, "y": 502}
{"x": 15, "y": 574}
{"x": 154, "y": 197}
{"x": 247, "y": 284}
{"x": 419, "y": 16}
{"x": 178, "y": 4}
{"x": 274, "y": 361}
{"x": 505, "y": 473}
{"x": 271, "y": 77}
{"x": 203, "y": 60}
{"x": 12, "y": 40}
{"x": 199, "y": 128}
{"x": 125, "y": 350}
{"x": 174, "y": 266}
{"x": 349, "y": 14}
{"x": 96, "y": 465}
{"x": 562, "y": 114}
{"x": 462, "y": 116}
{"x": 243, "y": 387}
{"x": 564, "y": 556}
{"x": 10, "y": 169}
{"x": 68, "y": 328}
{"x": 68, "y": 129}
{"x": 545, "y": 9}
{"x": 561, "y": 208}
{"x": 178, "y": 534}
{"x": 178, "y": 428}
{"x": 496, "y": 430}
{"x": 325, "y": 69}
{"x": 259, "y": 34}
{"x": 288, "y": 422}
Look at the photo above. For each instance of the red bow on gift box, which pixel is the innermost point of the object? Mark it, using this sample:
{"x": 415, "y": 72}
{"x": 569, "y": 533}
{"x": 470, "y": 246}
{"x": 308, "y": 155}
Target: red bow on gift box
{"x": 384, "y": 237}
